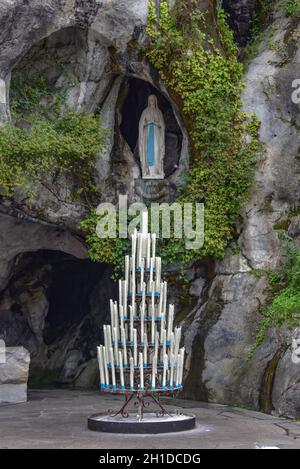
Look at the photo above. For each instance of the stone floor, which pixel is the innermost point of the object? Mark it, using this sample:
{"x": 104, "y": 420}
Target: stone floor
{"x": 58, "y": 419}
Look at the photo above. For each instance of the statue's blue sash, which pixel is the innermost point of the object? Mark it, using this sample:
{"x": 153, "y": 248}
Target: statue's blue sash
{"x": 151, "y": 145}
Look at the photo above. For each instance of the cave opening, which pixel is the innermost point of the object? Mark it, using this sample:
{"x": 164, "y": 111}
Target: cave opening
{"x": 55, "y": 306}
{"x": 134, "y": 97}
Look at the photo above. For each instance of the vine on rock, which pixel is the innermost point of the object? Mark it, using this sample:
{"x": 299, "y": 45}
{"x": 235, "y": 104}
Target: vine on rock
{"x": 46, "y": 139}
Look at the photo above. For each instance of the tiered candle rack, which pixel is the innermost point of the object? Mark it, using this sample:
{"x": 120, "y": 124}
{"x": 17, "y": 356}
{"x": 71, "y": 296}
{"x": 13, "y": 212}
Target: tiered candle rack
{"x": 141, "y": 357}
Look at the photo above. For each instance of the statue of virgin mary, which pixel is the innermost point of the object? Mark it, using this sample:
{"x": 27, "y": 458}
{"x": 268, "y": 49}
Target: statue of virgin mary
{"x": 152, "y": 141}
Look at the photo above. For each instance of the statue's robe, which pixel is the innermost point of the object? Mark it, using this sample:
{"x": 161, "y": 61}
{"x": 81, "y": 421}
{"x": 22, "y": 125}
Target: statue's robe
{"x": 152, "y": 142}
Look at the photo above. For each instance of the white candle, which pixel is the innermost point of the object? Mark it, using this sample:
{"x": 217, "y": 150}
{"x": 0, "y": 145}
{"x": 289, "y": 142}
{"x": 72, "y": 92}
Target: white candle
{"x": 142, "y": 275}
{"x": 144, "y": 297}
{"x": 172, "y": 371}
{"x": 178, "y": 372}
{"x": 133, "y": 278}
{"x": 127, "y": 269}
{"x": 166, "y": 364}
{"x": 133, "y": 288}
{"x": 131, "y": 323}
{"x": 182, "y": 351}
{"x": 121, "y": 317}
{"x": 145, "y": 349}
{"x": 158, "y": 273}
{"x": 113, "y": 334}
{"x": 170, "y": 321}
{"x": 152, "y": 326}
{"x": 143, "y": 306}
{"x": 165, "y": 298}
{"x": 151, "y": 274}
{"x": 135, "y": 346}
{"x": 120, "y": 292}
{"x": 141, "y": 372}
{"x": 116, "y": 347}
{"x": 162, "y": 348}
{"x": 123, "y": 335}
{"x": 145, "y": 249}
{"x": 125, "y": 297}
{"x": 116, "y": 319}
{"x": 112, "y": 320}
{"x": 143, "y": 246}
{"x": 162, "y": 326}
{"x": 140, "y": 249}
{"x": 106, "y": 343}
{"x": 133, "y": 304}
{"x": 161, "y": 300}
{"x": 106, "y": 360}
{"x": 131, "y": 374}
{"x": 109, "y": 338}
{"x": 133, "y": 244}
{"x": 164, "y": 343}
{"x": 156, "y": 345}
{"x": 121, "y": 370}
{"x": 172, "y": 343}
{"x": 113, "y": 374}
{"x": 153, "y": 302}
{"x": 177, "y": 340}
{"x": 154, "y": 366}
{"x": 145, "y": 223}
{"x": 101, "y": 366}
{"x": 148, "y": 241}
{"x": 153, "y": 245}
{"x": 142, "y": 324}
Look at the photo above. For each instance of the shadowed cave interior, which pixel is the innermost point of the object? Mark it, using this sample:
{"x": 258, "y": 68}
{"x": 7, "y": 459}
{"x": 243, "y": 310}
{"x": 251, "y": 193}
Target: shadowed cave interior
{"x": 55, "y": 306}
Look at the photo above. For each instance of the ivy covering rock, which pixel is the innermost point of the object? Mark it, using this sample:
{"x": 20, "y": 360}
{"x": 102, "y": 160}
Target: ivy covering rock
{"x": 45, "y": 139}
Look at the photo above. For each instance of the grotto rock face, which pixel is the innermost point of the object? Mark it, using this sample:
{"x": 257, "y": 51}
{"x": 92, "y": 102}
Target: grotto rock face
{"x": 286, "y": 387}
{"x": 222, "y": 339}
{"x": 23, "y": 235}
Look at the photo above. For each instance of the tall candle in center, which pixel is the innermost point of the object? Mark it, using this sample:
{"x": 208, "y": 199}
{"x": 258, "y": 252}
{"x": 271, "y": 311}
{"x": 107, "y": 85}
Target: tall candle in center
{"x": 141, "y": 372}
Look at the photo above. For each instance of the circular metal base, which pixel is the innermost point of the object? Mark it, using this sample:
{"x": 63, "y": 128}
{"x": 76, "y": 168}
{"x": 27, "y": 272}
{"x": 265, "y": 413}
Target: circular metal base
{"x": 151, "y": 423}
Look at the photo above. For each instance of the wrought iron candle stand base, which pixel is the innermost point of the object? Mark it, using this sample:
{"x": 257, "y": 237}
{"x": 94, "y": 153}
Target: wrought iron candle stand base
{"x": 141, "y": 402}
{"x": 142, "y": 422}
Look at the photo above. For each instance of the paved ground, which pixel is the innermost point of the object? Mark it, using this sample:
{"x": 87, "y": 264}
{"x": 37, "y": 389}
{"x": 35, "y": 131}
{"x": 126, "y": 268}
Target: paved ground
{"x": 57, "y": 419}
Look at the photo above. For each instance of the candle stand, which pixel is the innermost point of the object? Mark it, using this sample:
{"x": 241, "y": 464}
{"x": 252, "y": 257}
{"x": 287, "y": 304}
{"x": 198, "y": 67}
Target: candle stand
{"x": 141, "y": 402}
{"x": 141, "y": 357}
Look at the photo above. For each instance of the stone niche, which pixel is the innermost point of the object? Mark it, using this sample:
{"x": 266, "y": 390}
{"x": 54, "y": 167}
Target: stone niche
{"x": 55, "y": 305}
{"x": 135, "y": 101}
{"x": 14, "y": 371}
